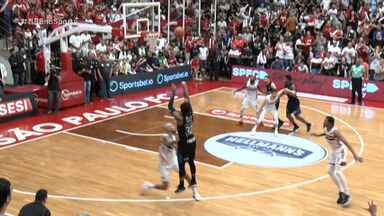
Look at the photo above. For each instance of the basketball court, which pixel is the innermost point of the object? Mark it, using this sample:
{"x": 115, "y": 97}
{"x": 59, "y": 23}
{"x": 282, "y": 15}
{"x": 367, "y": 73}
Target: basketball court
{"x": 98, "y": 167}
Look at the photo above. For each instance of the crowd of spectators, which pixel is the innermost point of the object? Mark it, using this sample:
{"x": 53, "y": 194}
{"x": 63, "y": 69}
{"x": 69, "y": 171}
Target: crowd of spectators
{"x": 321, "y": 37}
{"x": 96, "y": 57}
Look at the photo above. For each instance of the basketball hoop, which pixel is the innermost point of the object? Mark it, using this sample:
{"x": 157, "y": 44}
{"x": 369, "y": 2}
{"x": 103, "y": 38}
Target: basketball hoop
{"x": 144, "y": 16}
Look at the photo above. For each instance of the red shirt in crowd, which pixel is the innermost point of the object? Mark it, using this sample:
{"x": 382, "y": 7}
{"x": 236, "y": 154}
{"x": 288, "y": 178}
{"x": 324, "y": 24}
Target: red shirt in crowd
{"x": 322, "y": 54}
{"x": 362, "y": 51}
{"x": 308, "y": 40}
{"x": 188, "y": 44}
{"x": 311, "y": 20}
{"x": 234, "y": 24}
{"x": 363, "y": 13}
{"x": 327, "y": 29}
{"x": 130, "y": 44}
{"x": 40, "y": 65}
{"x": 238, "y": 43}
{"x": 195, "y": 63}
{"x": 283, "y": 19}
{"x": 263, "y": 20}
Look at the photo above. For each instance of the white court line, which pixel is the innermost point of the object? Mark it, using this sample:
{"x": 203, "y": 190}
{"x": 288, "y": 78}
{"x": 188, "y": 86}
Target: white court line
{"x": 132, "y": 148}
{"x": 96, "y": 122}
{"x": 139, "y": 134}
{"x": 322, "y": 97}
{"x": 102, "y": 141}
{"x": 168, "y": 116}
{"x": 236, "y": 195}
{"x": 227, "y": 165}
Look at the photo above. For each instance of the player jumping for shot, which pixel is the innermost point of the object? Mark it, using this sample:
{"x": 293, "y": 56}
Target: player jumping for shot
{"x": 186, "y": 147}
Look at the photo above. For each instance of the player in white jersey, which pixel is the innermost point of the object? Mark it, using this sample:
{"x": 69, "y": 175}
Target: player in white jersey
{"x": 337, "y": 158}
{"x": 250, "y": 98}
{"x": 269, "y": 106}
{"x": 167, "y": 159}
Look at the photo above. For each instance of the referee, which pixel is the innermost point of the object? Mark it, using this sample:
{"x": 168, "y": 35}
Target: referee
{"x": 357, "y": 74}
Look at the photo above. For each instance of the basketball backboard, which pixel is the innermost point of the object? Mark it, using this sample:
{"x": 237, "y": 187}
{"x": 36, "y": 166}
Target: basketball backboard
{"x": 141, "y": 18}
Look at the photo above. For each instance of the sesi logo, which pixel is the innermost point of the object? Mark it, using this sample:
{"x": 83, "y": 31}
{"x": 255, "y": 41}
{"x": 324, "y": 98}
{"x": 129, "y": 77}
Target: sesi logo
{"x": 10, "y": 108}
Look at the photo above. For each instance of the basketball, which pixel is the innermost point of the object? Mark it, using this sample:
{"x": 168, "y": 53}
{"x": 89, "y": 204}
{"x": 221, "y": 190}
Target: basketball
{"x": 179, "y": 32}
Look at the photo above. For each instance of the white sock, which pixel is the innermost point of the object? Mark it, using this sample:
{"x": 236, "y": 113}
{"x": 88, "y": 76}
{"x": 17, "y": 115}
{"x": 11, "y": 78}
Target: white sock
{"x": 149, "y": 185}
{"x": 194, "y": 189}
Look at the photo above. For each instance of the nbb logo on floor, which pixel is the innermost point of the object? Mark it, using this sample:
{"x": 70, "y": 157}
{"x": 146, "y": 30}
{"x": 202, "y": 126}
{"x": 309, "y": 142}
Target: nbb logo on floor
{"x": 121, "y": 84}
{"x": 265, "y": 149}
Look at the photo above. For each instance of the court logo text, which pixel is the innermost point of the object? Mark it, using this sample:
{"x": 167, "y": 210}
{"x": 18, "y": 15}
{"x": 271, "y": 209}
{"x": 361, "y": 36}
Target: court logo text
{"x": 265, "y": 149}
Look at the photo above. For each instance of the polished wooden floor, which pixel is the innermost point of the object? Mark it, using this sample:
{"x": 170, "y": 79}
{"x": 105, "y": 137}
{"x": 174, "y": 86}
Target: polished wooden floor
{"x": 90, "y": 169}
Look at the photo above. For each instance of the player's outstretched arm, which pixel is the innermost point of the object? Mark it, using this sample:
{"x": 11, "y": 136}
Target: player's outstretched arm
{"x": 261, "y": 91}
{"x": 242, "y": 88}
{"x": 346, "y": 143}
{"x": 171, "y": 107}
{"x": 280, "y": 93}
{"x": 185, "y": 91}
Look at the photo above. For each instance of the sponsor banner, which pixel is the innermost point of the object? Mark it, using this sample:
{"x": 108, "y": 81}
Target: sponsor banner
{"x": 129, "y": 83}
{"x": 72, "y": 94}
{"x": 311, "y": 83}
{"x": 17, "y": 105}
{"x": 265, "y": 149}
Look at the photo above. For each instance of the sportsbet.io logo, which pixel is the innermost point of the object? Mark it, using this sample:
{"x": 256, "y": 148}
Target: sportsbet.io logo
{"x": 129, "y": 84}
{"x": 113, "y": 86}
{"x": 265, "y": 149}
{"x": 165, "y": 78}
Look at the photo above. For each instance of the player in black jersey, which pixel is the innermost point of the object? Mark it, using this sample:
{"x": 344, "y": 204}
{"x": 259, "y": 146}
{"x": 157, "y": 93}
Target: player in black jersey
{"x": 293, "y": 105}
{"x": 269, "y": 87}
{"x": 186, "y": 147}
